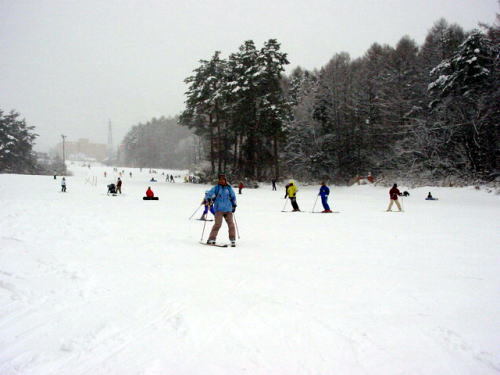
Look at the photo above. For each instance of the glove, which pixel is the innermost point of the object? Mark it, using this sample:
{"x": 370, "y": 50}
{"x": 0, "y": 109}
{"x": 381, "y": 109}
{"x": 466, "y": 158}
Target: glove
{"x": 234, "y": 207}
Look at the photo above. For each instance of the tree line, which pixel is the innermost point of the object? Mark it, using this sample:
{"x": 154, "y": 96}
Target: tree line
{"x": 425, "y": 112}
{"x": 159, "y": 143}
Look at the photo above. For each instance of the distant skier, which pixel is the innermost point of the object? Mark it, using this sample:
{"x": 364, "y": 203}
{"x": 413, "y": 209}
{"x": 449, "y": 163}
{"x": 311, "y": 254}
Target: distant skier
{"x": 291, "y": 192}
{"x": 240, "y": 187}
{"x": 430, "y": 197}
{"x": 394, "y": 193}
{"x": 112, "y": 189}
{"x": 130, "y": 174}
{"x": 324, "y": 192}
{"x": 208, "y": 203}
{"x": 172, "y": 178}
{"x": 224, "y": 200}
{"x": 273, "y": 182}
{"x": 119, "y": 185}
{"x": 150, "y": 196}
{"x": 105, "y": 174}
{"x": 63, "y": 185}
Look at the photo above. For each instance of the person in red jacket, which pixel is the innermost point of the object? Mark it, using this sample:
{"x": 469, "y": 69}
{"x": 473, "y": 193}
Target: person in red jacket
{"x": 240, "y": 187}
{"x": 393, "y": 194}
{"x": 149, "y": 192}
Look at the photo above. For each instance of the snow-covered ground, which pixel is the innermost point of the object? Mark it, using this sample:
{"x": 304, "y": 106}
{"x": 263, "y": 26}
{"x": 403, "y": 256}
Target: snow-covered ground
{"x": 95, "y": 284}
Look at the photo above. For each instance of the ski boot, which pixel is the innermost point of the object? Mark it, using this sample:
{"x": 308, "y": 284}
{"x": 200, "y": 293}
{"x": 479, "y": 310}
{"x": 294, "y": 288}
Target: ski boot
{"x": 211, "y": 242}
{"x": 233, "y": 243}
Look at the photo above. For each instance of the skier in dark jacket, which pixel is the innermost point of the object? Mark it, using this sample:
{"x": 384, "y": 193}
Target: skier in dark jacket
{"x": 324, "y": 192}
{"x": 430, "y": 197}
{"x": 111, "y": 189}
{"x": 394, "y": 193}
{"x": 119, "y": 185}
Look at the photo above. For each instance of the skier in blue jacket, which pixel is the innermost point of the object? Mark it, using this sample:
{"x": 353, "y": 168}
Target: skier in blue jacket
{"x": 224, "y": 205}
{"x": 324, "y": 192}
{"x": 208, "y": 206}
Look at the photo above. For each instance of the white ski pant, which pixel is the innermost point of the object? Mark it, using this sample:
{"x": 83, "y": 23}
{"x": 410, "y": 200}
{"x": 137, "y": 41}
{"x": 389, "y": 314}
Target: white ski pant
{"x": 392, "y": 202}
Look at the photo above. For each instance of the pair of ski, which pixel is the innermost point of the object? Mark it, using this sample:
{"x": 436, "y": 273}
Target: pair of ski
{"x": 316, "y": 212}
{"x": 215, "y": 244}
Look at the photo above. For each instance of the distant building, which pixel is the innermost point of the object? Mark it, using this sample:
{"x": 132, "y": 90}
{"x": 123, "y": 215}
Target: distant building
{"x": 82, "y": 149}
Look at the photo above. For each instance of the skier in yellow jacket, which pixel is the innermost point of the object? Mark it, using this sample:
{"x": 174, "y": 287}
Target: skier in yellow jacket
{"x": 291, "y": 192}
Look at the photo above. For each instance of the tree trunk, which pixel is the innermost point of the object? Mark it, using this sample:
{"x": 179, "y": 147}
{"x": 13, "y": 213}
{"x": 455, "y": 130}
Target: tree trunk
{"x": 276, "y": 160}
{"x": 212, "y": 155}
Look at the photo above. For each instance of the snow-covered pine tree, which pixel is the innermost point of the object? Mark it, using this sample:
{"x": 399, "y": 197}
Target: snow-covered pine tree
{"x": 205, "y": 106}
{"x": 466, "y": 90}
{"x": 16, "y": 144}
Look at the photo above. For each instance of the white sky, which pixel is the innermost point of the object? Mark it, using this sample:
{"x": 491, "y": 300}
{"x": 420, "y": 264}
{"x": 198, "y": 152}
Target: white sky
{"x": 70, "y": 66}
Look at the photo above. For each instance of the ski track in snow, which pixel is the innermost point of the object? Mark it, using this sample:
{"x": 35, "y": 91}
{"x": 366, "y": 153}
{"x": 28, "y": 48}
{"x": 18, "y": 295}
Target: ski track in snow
{"x": 95, "y": 284}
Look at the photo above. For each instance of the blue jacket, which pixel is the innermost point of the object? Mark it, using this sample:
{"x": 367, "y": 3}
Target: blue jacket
{"x": 324, "y": 191}
{"x": 223, "y": 196}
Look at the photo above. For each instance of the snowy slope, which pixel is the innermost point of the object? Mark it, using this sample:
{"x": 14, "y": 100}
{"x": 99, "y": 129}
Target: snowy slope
{"x": 93, "y": 284}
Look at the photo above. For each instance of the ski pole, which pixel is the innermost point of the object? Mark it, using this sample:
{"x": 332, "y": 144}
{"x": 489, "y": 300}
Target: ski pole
{"x": 195, "y": 211}
{"x": 316, "y": 201}
{"x": 236, "y": 225}
{"x": 402, "y": 209}
{"x": 203, "y": 232}
{"x": 283, "y": 209}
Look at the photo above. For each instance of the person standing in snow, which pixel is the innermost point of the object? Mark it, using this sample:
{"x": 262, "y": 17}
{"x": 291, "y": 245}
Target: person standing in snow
{"x": 63, "y": 185}
{"x": 324, "y": 192}
{"x": 394, "y": 193}
{"x": 119, "y": 185}
{"x": 291, "y": 192}
{"x": 273, "y": 182}
{"x": 224, "y": 205}
{"x": 208, "y": 206}
{"x": 240, "y": 187}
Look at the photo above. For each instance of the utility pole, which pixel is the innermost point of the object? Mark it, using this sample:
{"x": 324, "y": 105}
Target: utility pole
{"x": 64, "y": 156}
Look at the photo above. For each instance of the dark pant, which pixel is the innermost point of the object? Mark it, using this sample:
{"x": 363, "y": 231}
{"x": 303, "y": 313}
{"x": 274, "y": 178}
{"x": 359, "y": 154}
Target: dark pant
{"x": 295, "y": 206}
{"x": 324, "y": 202}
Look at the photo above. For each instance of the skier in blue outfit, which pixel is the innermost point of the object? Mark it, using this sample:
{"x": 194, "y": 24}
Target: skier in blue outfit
{"x": 224, "y": 205}
{"x": 208, "y": 206}
{"x": 324, "y": 192}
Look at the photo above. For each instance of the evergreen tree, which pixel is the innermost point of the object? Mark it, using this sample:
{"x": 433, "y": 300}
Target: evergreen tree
{"x": 466, "y": 92}
{"x": 16, "y": 144}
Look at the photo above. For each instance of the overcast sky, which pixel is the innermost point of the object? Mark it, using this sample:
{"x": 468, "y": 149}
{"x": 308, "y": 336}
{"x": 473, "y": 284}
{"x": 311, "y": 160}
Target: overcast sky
{"x": 70, "y": 66}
